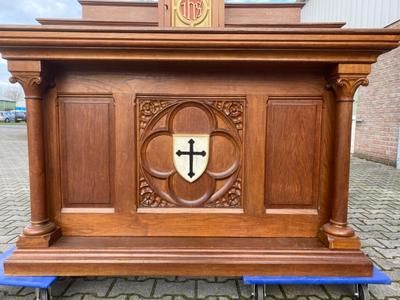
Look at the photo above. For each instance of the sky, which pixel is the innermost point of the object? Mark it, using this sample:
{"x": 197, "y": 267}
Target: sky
{"x": 26, "y": 11}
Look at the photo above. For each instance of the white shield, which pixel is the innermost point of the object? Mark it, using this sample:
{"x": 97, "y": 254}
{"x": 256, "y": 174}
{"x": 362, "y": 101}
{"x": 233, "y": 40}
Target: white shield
{"x": 191, "y": 155}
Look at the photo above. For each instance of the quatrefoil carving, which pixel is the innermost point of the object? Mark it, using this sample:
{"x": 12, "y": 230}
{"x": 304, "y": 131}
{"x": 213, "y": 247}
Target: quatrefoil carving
{"x": 164, "y": 118}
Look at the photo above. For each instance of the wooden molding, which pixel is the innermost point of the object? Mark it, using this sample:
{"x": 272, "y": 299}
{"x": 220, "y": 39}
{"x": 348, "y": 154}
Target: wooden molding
{"x": 287, "y": 25}
{"x": 184, "y": 44}
{"x": 188, "y": 257}
{"x": 88, "y": 210}
{"x": 291, "y": 211}
{"x": 180, "y": 210}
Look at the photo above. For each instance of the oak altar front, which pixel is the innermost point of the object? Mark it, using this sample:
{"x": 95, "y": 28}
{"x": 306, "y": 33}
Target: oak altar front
{"x": 189, "y": 138}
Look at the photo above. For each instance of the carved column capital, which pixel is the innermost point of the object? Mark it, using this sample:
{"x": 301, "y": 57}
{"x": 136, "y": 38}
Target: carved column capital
{"x": 345, "y": 86}
{"x": 31, "y": 82}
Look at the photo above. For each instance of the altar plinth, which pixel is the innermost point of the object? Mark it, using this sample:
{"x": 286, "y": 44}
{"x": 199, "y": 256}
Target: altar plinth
{"x": 189, "y": 138}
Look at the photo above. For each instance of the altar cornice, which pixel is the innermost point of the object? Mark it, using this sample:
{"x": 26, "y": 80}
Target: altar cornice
{"x": 154, "y": 4}
{"x": 89, "y": 22}
{"x": 255, "y": 44}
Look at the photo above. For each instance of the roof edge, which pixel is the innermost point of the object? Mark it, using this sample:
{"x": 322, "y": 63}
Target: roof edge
{"x": 117, "y": 3}
{"x": 265, "y": 5}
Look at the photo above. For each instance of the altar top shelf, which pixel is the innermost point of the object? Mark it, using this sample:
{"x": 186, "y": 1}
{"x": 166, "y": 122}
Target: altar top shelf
{"x": 49, "y": 42}
{"x": 46, "y": 35}
{"x": 154, "y": 24}
{"x": 278, "y": 28}
{"x": 128, "y": 30}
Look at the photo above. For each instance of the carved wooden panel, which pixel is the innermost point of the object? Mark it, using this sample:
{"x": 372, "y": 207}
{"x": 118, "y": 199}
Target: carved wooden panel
{"x": 86, "y": 140}
{"x": 293, "y": 147}
{"x": 160, "y": 120}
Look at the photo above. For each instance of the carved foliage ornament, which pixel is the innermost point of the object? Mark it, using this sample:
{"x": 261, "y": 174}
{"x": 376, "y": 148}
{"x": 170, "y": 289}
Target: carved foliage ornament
{"x": 233, "y": 110}
{"x": 346, "y": 86}
{"x": 148, "y": 109}
{"x": 217, "y": 188}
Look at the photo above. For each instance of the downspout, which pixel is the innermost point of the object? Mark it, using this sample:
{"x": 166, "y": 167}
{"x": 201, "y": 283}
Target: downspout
{"x": 398, "y": 151}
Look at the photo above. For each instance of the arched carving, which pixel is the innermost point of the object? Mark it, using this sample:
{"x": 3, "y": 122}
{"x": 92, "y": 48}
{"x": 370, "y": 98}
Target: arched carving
{"x": 231, "y": 199}
{"x": 158, "y": 117}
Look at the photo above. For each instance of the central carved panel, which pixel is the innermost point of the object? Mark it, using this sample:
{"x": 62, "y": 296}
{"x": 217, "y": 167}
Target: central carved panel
{"x": 190, "y": 151}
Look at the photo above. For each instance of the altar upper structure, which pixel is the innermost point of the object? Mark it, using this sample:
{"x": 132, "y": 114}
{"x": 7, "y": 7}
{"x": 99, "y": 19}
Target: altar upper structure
{"x": 189, "y": 137}
{"x": 188, "y": 13}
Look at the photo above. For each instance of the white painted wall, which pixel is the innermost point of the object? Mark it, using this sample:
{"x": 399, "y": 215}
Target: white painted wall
{"x": 356, "y": 13}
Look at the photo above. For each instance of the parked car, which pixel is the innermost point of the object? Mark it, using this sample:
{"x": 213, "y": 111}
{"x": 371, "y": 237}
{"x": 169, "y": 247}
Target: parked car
{"x": 7, "y": 116}
{"x": 20, "y": 116}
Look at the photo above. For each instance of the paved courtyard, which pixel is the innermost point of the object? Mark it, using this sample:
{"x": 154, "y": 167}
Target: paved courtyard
{"x": 374, "y": 213}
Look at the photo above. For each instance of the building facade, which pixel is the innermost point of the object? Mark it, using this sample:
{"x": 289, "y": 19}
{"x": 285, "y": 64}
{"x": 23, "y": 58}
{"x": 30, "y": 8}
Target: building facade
{"x": 7, "y": 104}
{"x": 376, "y": 133}
{"x": 356, "y": 13}
{"x": 378, "y": 113}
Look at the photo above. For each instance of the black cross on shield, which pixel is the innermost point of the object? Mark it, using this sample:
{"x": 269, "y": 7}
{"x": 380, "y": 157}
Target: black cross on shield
{"x": 191, "y": 155}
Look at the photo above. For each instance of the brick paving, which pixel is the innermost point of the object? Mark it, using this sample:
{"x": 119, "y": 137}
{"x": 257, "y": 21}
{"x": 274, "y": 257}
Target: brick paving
{"x": 374, "y": 213}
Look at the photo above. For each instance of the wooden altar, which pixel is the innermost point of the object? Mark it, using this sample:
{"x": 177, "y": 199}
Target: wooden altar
{"x": 189, "y": 137}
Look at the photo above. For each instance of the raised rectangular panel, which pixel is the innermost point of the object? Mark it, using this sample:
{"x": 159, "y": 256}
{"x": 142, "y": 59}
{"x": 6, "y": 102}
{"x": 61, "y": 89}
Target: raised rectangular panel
{"x": 134, "y": 11}
{"x": 252, "y": 14}
{"x": 293, "y": 147}
{"x": 86, "y": 133}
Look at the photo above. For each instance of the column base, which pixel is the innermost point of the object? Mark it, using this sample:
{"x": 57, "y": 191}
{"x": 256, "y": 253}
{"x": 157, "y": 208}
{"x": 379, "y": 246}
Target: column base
{"x": 39, "y": 241}
{"x": 338, "y": 229}
{"x": 337, "y": 237}
{"x": 42, "y": 228}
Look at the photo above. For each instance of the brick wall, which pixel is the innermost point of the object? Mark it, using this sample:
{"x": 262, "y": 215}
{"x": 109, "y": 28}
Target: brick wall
{"x": 378, "y": 113}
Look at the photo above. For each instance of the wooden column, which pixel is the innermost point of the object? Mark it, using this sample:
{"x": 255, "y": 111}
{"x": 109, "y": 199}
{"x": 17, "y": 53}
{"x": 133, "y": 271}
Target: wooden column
{"x": 41, "y": 232}
{"x": 344, "y": 81}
